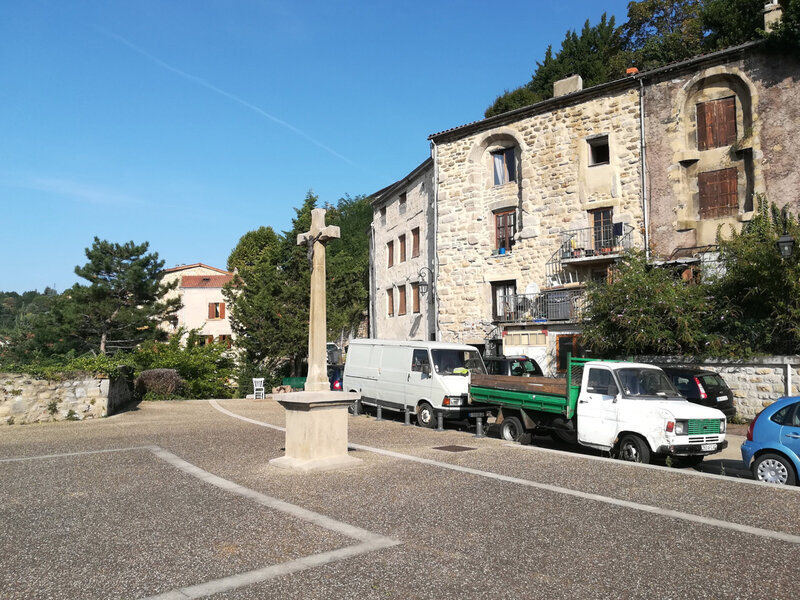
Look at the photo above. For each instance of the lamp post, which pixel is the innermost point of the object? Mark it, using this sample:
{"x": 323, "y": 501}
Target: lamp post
{"x": 785, "y": 243}
{"x": 425, "y": 280}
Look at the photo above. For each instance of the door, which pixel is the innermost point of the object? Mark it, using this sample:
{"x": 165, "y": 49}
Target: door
{"x": 602, "y": 230}
{"x": 597, "y": 408}
{"x": 790, "y": 432}
{"x": 418, "y": 385}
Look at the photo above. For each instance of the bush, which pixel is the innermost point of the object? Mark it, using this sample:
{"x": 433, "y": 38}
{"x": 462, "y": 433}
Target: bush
{"x": 159, "y": 384}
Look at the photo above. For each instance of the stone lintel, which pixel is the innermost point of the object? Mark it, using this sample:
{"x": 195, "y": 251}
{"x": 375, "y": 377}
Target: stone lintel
{"x": 305, "y": 401}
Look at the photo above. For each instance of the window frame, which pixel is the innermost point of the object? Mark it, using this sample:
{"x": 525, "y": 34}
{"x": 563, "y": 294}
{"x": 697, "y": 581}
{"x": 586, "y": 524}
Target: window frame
{"x": 508, "y": 236}
{"x": 596, "y": 145}
{"x": 216, "y": 311}
{"x": 389, "y": 254}
{"x": 401, "y": 243}
{"x": 716, "y": 123}
{"x": 561, "y": 354}
{"x": 710, "y": 193}
{"x": 504, "y": 286}
{"x": 415, "y": 303}
{"x": 401, "y": 300}
{"x": 390, "y": 302}
{"x": 509, "y": 159}
{"x": 401, "y": 203}
{"x": 415, "y": 242}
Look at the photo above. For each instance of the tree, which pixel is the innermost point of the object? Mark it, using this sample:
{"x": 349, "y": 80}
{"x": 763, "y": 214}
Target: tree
{"x": 124, "y": 302}
{"x": 786, "y": 35}
{"x": 729, "y": 23}
{"x": 647, "y": 310}
{"x": 663, "y": 31}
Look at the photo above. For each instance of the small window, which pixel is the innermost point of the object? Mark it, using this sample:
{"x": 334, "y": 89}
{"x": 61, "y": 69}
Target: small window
{"x": 716, "y": 123}
{"x": 599, "y": 153}
{"x": 390, "y": 253}
{"x": 383, "y": 216}
{"x": 599, "y": 380}
{"x": 390, "y": 302}
{"x": 415, "y": 298}
{"x": 785, "y": 416}
{"x": 225, "y": 339}
{"x": 503, "y": 293}
{"x": 566, "y": 344}
{"x": 415, "y": 242}
{"x": 401, "y": 309}
{"x": 719, "y": 196}
{"x": 505, "y": 227}
{"x": 401, "y": 204}
{"x": 504, "y": 166}
{"x": 420, "y": 361}
{"x": 216, "y": 310}
{"x": 401, "y": 242}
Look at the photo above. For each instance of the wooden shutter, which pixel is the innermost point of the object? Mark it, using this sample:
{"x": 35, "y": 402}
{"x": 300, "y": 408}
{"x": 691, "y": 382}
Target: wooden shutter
{"x": 719, "y": 195}
{"x": 402, "y": 241}
{"x": 221, "y": 310}
{"x": 390, "y": 302}
{"x": 402, "y": 300}
{"x": 212, "y": 313}
{"x": 415, "y": 297}
{"x": 390, "y": 251}
{"x": 415, "y": 242}
{"x": 716, "y": 123}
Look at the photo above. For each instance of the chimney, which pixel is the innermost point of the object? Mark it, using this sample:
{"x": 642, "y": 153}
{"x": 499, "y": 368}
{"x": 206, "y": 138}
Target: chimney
{"x": 772, "y": 15}
{"x": 567, "y": 85}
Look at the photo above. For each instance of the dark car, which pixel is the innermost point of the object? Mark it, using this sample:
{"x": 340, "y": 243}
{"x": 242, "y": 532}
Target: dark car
{"x": 703, "y": 387}
{"x": 335, "y": 373}
{"x": 521, "y": 366}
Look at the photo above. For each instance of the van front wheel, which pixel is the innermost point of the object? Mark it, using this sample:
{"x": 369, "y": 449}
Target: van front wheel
{"x": 633, "y": 449}
{"x": 426, "y": 417}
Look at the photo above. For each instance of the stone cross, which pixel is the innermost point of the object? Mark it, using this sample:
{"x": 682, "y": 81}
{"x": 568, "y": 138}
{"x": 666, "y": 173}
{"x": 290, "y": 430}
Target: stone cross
{"x": 315, "y": 238}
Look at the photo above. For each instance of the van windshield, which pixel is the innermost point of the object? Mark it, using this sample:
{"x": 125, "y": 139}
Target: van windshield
{"x": 457, "y": 362}
{"x": 646, "y": 382}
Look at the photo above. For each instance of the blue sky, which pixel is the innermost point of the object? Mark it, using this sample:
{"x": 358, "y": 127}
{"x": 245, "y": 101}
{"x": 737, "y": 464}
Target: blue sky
{"x": 187, "y": 123}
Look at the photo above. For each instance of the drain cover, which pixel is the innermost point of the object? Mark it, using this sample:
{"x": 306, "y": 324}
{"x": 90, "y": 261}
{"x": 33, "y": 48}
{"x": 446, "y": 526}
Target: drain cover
{"x": 454, "y": 448}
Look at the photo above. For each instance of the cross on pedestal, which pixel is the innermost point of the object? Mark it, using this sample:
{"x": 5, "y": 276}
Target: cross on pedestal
{"x": 316, "y": 238}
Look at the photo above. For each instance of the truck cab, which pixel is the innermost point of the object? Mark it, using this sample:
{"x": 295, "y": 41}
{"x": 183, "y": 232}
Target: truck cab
{"x": 634, "y": 410}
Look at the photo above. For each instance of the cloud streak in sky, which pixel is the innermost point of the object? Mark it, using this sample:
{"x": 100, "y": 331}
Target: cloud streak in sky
{"x": 78, "y": 191}
{"x": 203, "y": 83}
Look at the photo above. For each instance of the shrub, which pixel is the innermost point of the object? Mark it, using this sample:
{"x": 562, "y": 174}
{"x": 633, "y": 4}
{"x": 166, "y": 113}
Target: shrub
{"x": 159, "y": 384}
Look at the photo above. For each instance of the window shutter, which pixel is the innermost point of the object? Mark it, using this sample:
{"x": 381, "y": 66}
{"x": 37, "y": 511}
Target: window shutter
{"x": 718, "y": 193}
{"x": 221, "y": 310}
{"x": 704, "y": 121}
{"x": 727, "y": 110}
{"x": 211, "y": 311}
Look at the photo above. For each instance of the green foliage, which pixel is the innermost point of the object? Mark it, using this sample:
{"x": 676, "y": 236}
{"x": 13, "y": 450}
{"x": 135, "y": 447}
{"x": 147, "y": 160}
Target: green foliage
{"x": 646, "y": 310}
{"x": 786, "y": 36}
{"x": 731, "y": 22}
{"x": 663, "y": 31}
{"x": 759, "y": 290}
{"x": 52, "y": 407}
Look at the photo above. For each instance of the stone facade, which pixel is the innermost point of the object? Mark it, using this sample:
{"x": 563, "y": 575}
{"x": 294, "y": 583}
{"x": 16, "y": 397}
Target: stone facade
{"x": 763, "y": 89}
{"x": 24, "y": 399}
{"x": 403, "y": 225}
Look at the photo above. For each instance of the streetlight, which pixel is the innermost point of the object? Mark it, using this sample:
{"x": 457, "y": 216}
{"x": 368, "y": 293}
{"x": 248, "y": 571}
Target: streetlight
{"x": 423, "y": 282}
{"x": 785, "y": 242}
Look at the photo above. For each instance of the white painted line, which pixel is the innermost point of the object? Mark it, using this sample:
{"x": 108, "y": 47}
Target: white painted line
{"x": 665, "y": 512}
{"x": 85, "y": 453}
{"x": 253, "y": 421}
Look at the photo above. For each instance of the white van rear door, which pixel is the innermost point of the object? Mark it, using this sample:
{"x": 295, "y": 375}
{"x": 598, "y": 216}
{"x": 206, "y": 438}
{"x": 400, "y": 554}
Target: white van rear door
{"x": 418, "y": 385}
{"x": 393, "y": 378}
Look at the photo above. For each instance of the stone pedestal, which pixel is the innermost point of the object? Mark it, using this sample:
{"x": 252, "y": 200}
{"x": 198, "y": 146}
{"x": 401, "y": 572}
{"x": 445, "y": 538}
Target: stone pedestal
{"x": 316, "y": 431}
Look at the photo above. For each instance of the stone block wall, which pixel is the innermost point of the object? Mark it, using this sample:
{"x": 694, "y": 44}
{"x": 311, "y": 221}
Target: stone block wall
{"x": 25, "y": 399}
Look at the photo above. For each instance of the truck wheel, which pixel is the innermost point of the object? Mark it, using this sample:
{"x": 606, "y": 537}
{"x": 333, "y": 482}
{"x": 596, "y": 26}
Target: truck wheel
{"x": 773, "y": 468}
{"x": 632, "y": 448}
{"x": 426, "y": 417}
{"x": 511, "y": 429}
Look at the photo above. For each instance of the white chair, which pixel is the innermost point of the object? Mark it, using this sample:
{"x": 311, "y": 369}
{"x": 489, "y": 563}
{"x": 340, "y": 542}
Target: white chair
{"x": 258, "y": 388}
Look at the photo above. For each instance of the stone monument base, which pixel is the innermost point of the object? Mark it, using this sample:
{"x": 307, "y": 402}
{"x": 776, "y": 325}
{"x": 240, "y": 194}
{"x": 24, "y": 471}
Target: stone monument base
{"x": 316, "y": 431}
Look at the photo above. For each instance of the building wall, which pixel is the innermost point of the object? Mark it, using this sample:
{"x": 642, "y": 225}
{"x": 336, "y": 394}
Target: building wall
{"x": 418, "y": 213}
{"x": 555, "y": 188}
{"x": 194, "y": 312}
{"x": 767, "y": 130}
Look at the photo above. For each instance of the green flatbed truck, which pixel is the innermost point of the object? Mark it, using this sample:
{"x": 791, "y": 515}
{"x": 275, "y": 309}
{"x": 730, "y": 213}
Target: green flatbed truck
{"x": 629, "y": 409}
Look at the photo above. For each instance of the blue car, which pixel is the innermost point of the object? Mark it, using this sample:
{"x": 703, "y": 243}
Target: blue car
{"x": 772, "y": 448}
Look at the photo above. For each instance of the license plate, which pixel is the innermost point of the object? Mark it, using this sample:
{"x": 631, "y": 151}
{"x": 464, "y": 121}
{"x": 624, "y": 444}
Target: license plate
{"x": 708, "y": 447}
{"x": 721, "y": 398}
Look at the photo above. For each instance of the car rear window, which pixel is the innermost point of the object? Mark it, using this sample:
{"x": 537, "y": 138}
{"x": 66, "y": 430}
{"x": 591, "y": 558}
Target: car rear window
{"x": 711, "y": 381}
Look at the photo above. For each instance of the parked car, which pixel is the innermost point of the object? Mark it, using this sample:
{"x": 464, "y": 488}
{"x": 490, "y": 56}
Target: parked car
{"x": 335, "y": 373}
{"x": 772, "y": 447}
{"x": 512, "y": 365}
{"x": 703, "y": 387}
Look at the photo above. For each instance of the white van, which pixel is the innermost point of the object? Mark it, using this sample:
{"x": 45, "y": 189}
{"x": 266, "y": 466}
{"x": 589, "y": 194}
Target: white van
{"x": 425, "y": 376}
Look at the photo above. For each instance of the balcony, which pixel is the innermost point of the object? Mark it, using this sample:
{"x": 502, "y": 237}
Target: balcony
{"x": 587, "y": 247}
{"x": 550, "y": 306}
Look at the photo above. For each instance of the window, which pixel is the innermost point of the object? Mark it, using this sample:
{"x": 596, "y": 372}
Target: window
{"x": 225, "y": 339}
{"x": 401, "y": 241}
{"x": 716, "y": 123}
{"x": 566, "y": 344}
{"x": 599, "y": 153}
{"x": 390, "y": 302}
{"x": 505, "y": 226}
{"x": 401, "y": 204}
{"x": 383, "y": 216}
{"x": 504, "y": 166}
{"x": 503, "y": 293}
{"x": 415, "y": 242}
{"x": 390, "y": 253}
{"x": 401, "y": 309}
{"x": 599, "y": 380}
{"x": 719, "y": 196}
{"x": 603, "y": 229}
{"x": 420, "y": 361}
{"x": 216, "y": 310}
{"x": 415, "y": 298}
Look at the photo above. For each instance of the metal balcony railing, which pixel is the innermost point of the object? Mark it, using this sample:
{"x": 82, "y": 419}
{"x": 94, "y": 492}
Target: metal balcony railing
{"x": 553, "y": 305}
{"x": 586, "y": 246}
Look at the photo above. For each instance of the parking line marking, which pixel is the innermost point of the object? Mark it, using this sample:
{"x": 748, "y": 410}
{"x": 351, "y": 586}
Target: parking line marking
{"x": 83, "y": 453}
{"x": 656, "y": 510}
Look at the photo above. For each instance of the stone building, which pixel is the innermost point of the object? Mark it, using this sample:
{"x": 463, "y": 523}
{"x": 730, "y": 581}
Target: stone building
{"x": 401, "y": 250}
{"x": 527, "y": 206}
{"x": 203, "y": 306}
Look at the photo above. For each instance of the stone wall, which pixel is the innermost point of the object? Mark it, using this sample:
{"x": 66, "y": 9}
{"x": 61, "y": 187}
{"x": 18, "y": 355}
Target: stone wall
{"x": 755, "y": 384}
{"x": 25, "y": 399}
{"x": 555, "y": 188}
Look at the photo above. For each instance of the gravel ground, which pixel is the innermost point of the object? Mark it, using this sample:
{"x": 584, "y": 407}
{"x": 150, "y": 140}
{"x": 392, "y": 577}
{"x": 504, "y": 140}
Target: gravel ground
{"x": 500, "y": 519}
